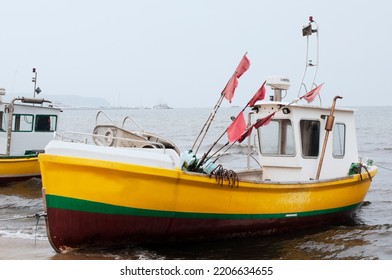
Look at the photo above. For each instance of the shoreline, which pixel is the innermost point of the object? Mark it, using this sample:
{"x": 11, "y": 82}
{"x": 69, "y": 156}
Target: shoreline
{"x": 22, "y": 249}
{"x": 25, "y": 249}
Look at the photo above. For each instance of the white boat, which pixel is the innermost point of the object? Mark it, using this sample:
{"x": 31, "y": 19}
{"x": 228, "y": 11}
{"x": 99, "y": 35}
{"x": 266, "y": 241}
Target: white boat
{"x": 26, "y": 127}
{"x": 162, "y": 106}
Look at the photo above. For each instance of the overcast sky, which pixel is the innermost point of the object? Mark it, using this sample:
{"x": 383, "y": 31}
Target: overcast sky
{"x": 140, "y": 53}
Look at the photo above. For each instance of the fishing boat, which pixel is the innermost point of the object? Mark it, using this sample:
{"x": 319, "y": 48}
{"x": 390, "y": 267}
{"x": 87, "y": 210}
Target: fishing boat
{"x": 102, "y": 196}
{"x": 26, "y": 127}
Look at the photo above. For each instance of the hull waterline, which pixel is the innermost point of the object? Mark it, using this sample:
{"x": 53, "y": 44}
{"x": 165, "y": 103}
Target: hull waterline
{"x": 115, "y": 203}
{"x": 102, "y": 230}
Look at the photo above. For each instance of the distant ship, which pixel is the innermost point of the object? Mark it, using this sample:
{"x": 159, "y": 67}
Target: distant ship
{"x": 162, "y": 106}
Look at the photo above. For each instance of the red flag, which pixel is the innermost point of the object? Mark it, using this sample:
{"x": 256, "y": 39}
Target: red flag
{"x": 245, "y": 134}
{"x": 311, "y": 95}
{"x": 259, "y": 95}
{"x": 236, "y": 128}
{"x": 242, "y": 67}
{"x": 264, "y": 121}
{"x": 228, "y": 91}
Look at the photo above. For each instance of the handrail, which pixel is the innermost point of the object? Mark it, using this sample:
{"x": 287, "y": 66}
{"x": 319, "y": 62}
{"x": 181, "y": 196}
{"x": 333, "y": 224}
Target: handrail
{"x": 135, "y": 122}
{"x": 114, "y": 123}
{"x": 153, "y": 144}
{"x": 96, "y": 118}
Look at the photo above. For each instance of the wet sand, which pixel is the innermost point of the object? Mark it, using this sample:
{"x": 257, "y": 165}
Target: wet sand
{"x": 25, "y": 249}
{"x": 29, "y": 249}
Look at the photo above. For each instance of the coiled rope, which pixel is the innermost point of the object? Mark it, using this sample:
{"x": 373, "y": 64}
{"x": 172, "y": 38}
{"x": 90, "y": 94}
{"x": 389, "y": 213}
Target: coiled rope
{"x": 222, "y": 174}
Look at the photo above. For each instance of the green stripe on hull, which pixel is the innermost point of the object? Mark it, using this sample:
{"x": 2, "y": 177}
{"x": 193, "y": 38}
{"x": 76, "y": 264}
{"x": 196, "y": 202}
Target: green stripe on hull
{"x": 27, "y": 156}
{"x": 53, "y": 201}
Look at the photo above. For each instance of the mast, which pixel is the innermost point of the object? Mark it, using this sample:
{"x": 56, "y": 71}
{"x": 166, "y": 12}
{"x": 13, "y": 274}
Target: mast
{"x": 307, "y": 31}
{"x": 34, "y": 80}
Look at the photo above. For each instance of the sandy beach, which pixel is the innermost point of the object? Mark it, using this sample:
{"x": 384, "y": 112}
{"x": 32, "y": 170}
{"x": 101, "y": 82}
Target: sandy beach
{"x": 29, "y": 249}
{"x": 25, "y": 249}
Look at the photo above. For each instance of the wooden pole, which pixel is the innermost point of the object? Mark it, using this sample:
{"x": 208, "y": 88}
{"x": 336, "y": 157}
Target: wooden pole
{"x": 328, "y": 128}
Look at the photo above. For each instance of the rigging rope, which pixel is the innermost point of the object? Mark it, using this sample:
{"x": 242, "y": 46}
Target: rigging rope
{"x": 383, "y": 167}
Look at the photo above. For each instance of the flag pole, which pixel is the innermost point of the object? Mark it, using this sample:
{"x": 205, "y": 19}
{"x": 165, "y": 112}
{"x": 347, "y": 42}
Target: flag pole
{"x": 247, "y": 104}
{"x": 208, "y": 123}
{"x": 250, "y": 126}
{"x": 216, "y": 142}
{"x": 227, "y": 143}
{"x": 241, "y": 69}
{"x": 201, "y": 161}
{"x": 224, "y": 151}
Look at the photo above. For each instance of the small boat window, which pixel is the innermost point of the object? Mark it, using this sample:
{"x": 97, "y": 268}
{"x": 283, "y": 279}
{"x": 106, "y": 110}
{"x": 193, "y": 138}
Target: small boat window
{"x": 339, "y": 140}
{"x": 310, "y": 137}
{"x": 45, "y": 123}
{"x": 22, "y": 122}
{"x": 277, "y": 138}
{"x": 2, "y": 121}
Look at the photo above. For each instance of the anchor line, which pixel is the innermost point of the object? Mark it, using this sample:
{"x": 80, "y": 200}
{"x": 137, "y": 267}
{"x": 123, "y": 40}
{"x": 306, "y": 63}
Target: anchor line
{"x": 36, "y": 215}
{"x": 383, "y": 167}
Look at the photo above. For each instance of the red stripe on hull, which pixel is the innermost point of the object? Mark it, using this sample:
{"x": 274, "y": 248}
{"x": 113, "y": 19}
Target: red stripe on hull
{"x": 73, "y": 229}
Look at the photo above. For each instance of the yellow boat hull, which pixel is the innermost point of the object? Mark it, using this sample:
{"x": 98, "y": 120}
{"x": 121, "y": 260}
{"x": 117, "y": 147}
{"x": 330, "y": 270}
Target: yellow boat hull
{"x": 19, "y": 168}
{"x": 89, "y": 202}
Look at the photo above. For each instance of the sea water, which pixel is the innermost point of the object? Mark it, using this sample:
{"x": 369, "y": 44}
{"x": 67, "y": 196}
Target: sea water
{"x": 369, "y": 236}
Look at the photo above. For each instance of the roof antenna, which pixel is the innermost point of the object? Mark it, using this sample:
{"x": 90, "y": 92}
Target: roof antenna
{"x": 307, "y": 31}
{"x": 37, "y": 90}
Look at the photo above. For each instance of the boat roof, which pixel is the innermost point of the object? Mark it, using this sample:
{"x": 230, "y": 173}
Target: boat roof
{"x": 306, "y": 106}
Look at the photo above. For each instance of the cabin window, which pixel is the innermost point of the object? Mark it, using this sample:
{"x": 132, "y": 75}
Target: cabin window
{"x": 45, "y": 123}
{"x": 339, "y": 140}
{"x": 2, "y": 122}
{"x": 22, "y": 122}
{"x": 310, "y": 137}
{"x": 276, "y": 138}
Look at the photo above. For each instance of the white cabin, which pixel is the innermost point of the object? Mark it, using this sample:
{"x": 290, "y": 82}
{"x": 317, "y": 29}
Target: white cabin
{"x": 290, "y": 146}
{"x": 26, "y": 126}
